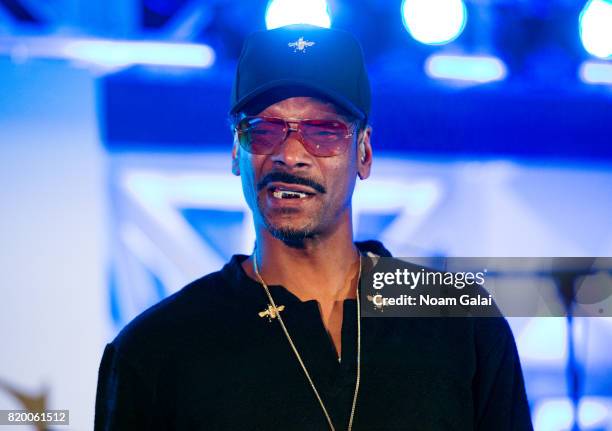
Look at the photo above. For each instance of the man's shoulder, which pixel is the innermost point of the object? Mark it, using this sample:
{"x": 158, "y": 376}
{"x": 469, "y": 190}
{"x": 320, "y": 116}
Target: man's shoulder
{"x": 174, "y": 318}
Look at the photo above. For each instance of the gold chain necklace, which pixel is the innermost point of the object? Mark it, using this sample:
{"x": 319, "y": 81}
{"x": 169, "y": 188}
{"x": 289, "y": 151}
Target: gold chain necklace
{"x": 299, "y": 358}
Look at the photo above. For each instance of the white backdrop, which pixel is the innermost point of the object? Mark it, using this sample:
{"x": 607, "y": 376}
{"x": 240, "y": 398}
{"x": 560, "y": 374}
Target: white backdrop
{"x": 53, "y": 318}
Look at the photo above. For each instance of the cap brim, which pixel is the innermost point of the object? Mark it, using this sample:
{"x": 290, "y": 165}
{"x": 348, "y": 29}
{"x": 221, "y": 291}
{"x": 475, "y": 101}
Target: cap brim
{"x": 293, "y": 87}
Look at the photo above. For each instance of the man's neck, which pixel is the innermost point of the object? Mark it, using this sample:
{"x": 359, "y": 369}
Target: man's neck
{"x": 324, "y": 268}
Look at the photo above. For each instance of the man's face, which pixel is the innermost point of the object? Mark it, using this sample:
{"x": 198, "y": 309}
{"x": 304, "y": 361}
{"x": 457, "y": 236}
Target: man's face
{"x": 328, "y": 181}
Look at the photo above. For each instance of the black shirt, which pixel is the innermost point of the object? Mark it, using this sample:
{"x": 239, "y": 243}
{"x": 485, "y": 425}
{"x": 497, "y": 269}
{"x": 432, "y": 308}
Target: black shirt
{"x": 203, "y": 359}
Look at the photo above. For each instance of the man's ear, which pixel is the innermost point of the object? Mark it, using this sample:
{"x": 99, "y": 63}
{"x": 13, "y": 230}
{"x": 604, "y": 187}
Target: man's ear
{"x": 235, "y": 156}
{"x": 364, "y": 153}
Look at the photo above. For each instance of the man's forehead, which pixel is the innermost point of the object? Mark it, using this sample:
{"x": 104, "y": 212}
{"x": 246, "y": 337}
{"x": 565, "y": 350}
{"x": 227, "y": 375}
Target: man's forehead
{"x": 302, "y": 105}
{"x": 295, "y": 98}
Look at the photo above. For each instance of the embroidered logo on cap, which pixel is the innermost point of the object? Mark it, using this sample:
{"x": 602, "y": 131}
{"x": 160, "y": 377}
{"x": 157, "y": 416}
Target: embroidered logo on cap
{"x": 300, "y": 44}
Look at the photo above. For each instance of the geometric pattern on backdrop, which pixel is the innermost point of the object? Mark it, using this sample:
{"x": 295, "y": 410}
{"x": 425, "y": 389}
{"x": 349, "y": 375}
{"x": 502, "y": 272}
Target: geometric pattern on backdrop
{"x": 174, "y": 219}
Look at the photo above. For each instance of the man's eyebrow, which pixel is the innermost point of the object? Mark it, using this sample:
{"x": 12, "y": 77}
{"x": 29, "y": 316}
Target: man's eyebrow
{"x": 319, "y": 115}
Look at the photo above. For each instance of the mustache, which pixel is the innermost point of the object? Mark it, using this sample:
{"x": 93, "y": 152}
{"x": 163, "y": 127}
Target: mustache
{"x": 288, "y": 178}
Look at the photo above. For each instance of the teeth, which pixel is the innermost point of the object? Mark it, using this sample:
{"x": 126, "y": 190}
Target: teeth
{"x": 286, "y": 194}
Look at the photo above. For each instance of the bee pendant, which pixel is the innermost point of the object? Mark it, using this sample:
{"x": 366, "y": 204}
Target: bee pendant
{"x": 270, "y": 312}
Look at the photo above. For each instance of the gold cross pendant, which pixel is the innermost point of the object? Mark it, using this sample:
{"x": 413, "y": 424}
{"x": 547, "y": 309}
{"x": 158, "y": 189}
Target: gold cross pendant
{"x": 270, "y": 312}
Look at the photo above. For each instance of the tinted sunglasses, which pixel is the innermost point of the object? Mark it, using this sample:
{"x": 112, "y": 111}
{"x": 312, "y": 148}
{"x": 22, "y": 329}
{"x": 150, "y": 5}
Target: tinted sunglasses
{"x": 321, "y": 138}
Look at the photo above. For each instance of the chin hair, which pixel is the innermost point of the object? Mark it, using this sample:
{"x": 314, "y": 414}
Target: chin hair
{"x": 292, "y": 237}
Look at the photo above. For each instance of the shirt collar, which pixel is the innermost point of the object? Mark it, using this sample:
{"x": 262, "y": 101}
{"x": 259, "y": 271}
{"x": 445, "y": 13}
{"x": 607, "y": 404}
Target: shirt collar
{"x": 247, "y": 288}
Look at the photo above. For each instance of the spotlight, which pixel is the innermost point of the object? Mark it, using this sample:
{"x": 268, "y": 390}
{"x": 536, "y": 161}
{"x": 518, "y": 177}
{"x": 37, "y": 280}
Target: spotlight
{"x": 596, "y": 28}
{"x": 285, "y": 12}
{"x": 434, "y": 22}
{"x": 116, "y": 53}
{"x": 478, "y": 69}
{"x": 592, "y": 72}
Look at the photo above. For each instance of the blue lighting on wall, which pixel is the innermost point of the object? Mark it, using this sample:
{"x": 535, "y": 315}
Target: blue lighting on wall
{"x": 434, "y": 22}
{"x": 478, "y": 69}
{"x": 596, "y": 28}
{"x": 286, "y": 12}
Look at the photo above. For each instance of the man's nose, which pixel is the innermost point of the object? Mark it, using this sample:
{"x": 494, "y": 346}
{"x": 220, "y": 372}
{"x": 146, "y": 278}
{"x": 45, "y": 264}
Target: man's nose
{"x": 291, "y": 152}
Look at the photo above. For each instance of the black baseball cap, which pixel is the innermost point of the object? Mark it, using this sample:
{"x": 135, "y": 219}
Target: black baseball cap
{"x": 302, "y": 60}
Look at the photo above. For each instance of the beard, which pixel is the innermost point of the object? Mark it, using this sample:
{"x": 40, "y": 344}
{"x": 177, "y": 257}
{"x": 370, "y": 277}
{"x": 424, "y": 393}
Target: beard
{"x": 294, "y": 238}
{"x": 288, "y": 233}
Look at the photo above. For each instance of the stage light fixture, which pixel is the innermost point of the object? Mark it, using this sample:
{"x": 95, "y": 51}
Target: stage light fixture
{"x": 434, "y": 22}
{"x": 592, "y": 72}
{"x": 477, "y": 69}
{"x": 285, "y": 12}
{"x": 596, "y": 28}
{"x": 116, "y": 53}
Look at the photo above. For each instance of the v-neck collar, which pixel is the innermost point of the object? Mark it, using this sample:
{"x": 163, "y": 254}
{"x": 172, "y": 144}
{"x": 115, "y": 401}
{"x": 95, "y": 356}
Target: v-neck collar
{"x": 303, "y": 318}
{"x": 250, "y": 289}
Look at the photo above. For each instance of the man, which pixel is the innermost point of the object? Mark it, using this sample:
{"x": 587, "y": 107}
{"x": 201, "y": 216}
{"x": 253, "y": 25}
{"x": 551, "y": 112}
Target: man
{"x": 275, "y": 340}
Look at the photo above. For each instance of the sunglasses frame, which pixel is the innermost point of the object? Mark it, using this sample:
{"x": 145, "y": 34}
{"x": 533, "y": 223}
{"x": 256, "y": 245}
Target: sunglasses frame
{"x": 288, "y": 122}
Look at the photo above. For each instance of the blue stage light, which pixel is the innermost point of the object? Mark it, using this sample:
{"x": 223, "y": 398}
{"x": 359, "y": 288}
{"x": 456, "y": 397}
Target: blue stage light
{"x": 553, "y": 414}
{"x": 593, "y": 72}
{"x": 434, "y": 22}
{"x": 478, "y": 69}
{"x": 596, "y": 28}
{"x": 595, "y": 412}
{"x": 285, "y": 12}
{"x": 115, "y": 53}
